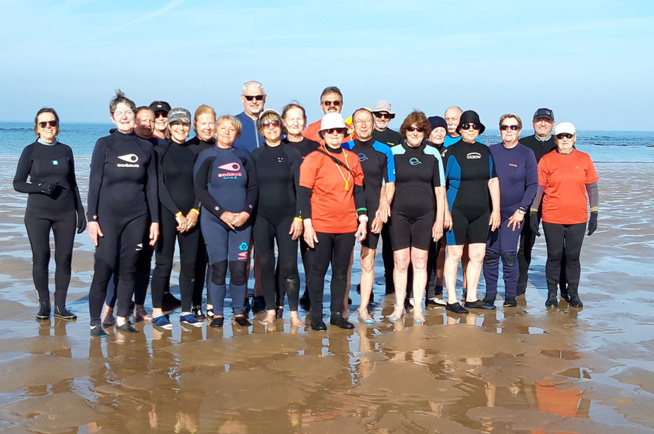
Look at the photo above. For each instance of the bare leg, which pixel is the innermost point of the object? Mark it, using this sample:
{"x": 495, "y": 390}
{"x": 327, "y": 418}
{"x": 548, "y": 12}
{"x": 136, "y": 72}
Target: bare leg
{"x": 401, "y": 261}
{"x": 449, "y": 272}
{"x": 476, "y": 253}
{"x": 419, "y": 262}
{"x": 367, "y": 279}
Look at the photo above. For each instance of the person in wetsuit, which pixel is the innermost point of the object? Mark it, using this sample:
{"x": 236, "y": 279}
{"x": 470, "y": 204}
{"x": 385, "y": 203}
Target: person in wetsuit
{"x": 378, "y": 168}
{"x": 417, "y": 210}
{"x": 517, "y": 172}
{"x": 332, "y": 201}
{"x": 179, "y": 215}
{"x": 566, "y": 180}
{"x": 53, "y": 204}
{"x": 122, "y": 209}
{"x": 278, "y": 218}
{"x": 225, "y": 181}
{"x": 470, "y": 176}
{"x": 294, "y": 119}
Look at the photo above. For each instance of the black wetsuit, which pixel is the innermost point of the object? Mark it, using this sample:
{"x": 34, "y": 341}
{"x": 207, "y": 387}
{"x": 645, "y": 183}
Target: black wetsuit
{"x": 123, "y": 200}
{"x": 226, "y": 180}
{"x": 305, "y": 147}
{"x": 468, "y": 167}
{"x": 527, "y": 237}
{"x": 413, "y": 212}
{"x": 57, "y": 209}
{"x": 177, "y": 195}
{"x": 278, "y": 172}
{"x": 387, "y": 137}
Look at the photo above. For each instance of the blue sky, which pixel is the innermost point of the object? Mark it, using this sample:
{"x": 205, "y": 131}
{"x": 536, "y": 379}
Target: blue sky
{"x": 590, "y": 61}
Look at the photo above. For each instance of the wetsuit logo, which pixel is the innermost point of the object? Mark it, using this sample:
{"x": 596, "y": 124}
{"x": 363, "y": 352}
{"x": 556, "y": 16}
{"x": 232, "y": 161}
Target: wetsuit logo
{"x": 232, "y": 167}
{"x": 243, "y": 247}
{"x": 131, "y": 159}
{"x": 280, "y": 159}
{"x": 363, "y": 157}
{"x": 414, "y": 161}
{"x": 55, "y": 163}
{"x": 474, "y": 156}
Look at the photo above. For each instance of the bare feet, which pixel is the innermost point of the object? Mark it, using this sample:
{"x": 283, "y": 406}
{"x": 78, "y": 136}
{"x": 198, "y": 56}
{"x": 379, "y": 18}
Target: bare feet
{"x": 397, "y": 314}
{"x": 108, "y": 319}
{"x": 295, "y": 319}
{"x": 418, "y": 318}
{"x": 270, "y": 318}
{"x": 365, "y": 318}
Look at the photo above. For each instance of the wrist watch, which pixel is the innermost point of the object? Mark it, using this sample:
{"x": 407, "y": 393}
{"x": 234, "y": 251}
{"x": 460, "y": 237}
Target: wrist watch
{"x": 363, "y": 218}
{"x": 522, "y": 211}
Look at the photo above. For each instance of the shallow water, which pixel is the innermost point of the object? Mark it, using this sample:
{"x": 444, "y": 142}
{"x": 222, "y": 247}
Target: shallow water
{"x": 510, "y": 370}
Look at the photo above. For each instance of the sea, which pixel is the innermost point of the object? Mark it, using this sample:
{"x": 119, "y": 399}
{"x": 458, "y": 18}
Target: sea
{"x": 602, "y": 146}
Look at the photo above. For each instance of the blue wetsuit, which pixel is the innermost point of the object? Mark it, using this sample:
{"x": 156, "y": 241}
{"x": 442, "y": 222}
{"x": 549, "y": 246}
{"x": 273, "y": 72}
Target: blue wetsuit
{"x": 518, "y": 175}
{"x": 378, "y": 167}
{"x": 250, "y": 138}
{"x": 468, "y": 168}
{"x": 226, "y": 180}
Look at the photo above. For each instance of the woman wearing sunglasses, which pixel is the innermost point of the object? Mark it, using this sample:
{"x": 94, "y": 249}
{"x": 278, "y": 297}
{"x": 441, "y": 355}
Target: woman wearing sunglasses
{"x": 417, "y": 210}
{"x": 566, "y": 180}
{"x": 53, "y": 204}
{"x": 516, "y": 169}
{"x": 333, "y": 205}
{"x": 470, "y": 175}
{"x": 278, "y": 218}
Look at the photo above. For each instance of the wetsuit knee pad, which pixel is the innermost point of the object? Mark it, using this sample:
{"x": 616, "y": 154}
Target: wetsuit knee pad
{"x": 491, "y": 257}
{"x": 509, "y": 259}
{"x": 218, "y": 272}
{"x": 163, "y": 267}
{"x": 188, "y": 270}
{"x": 238, "y": 272}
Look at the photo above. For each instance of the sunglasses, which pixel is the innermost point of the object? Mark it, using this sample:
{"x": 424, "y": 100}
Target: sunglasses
{"x": 161, "y": 115}
{"x": 564, "y": 136}
{"x": 473, "y": 125}
{"x": 46, "y": 123}
{"x": 335, "y": 131}
{"x": 509, "y": 127}
{"x": 334, "y": 103}
{"x": 251, "y": 97}
{"x": 412, "y": 129}
{"x": 274, "y": 124}
{"x": 384, "y": 115}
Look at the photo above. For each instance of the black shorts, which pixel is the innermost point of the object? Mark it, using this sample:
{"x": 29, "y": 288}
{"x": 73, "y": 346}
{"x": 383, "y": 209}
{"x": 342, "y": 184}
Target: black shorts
{"x": 406, "y": 232}
{"x": 474, "y": 230}
{"x": 372, "y": 240}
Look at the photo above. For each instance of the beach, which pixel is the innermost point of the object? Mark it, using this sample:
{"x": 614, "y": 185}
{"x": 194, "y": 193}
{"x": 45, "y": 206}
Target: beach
{"x": 522, "y": 369}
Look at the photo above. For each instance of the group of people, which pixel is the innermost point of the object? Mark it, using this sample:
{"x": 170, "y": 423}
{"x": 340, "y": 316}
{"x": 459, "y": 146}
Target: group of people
{"x": 264, "y": 183}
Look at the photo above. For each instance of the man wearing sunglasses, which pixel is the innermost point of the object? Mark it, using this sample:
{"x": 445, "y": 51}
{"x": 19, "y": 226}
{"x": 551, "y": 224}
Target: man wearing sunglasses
{"x": 253, "y": 99}
{"x": 382, "y": 116}
{"x": 541, "y": 142}
{"x": 331, "y": 101}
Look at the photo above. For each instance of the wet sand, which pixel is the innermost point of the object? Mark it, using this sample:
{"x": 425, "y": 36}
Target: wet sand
{"x": 523, "y": 369}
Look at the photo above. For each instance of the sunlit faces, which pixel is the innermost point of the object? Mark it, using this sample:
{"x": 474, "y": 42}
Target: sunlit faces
{"x": 334, "y": 137}
{"x": 362, "y": 121}
{"x": 565, "y": 143}
{"x": 510, "y": 131}
{"x": 437, "y": 136}
{"x": 48, "y": 132}
{"x": 179, "y": 131}
{"x": 205, "y": 126}
{"x": 144, "y": 126}
{"x": 226, "y": 133}
{"x": 294, "y": 121}
{"x": 161, "y": 122}
{"x": 470, "y": 134}
{"x": 272, "y": 130}
{"x": 414, "y": 136}
{"x": 124, "y": 118}
{"x": 452, "y": 118}
{"x": 253, "y": 100}
{"x": 331, "y": 103}
{"x": 543, "y": 127}
{"x": 382, "y": 120}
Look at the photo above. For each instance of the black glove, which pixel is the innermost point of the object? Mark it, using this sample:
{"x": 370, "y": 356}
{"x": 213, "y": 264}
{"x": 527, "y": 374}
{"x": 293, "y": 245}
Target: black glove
{"x": 533, "y": 223}
{"x": 81, "y": 222}
{"x": 49, "y": 188}
{"x": 592, "y": 223}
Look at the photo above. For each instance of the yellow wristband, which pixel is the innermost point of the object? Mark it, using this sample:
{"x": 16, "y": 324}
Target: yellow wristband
{"x": 195, "y": 211}
{"x": 298, "y": 219}
{"x": 178, "y": 214}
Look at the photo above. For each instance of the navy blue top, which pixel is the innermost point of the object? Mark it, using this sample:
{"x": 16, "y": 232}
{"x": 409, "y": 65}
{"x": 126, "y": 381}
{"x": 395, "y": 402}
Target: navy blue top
{"x": 250, "y": 138}
{"x": 517, "y": 171}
